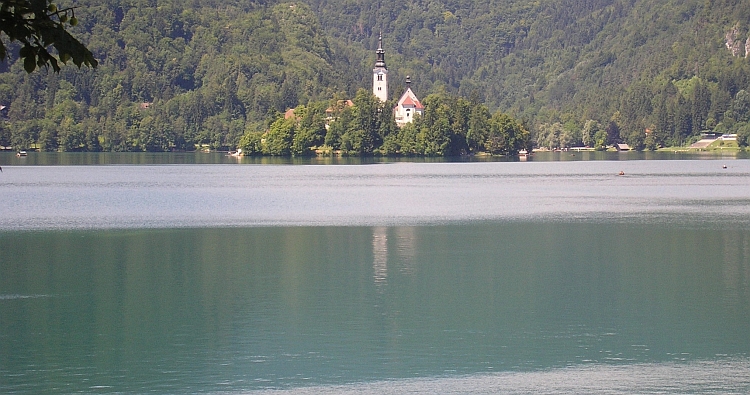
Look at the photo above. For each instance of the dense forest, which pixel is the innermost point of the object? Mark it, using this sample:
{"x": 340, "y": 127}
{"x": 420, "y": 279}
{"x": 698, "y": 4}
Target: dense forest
{"x": 180, "y": 75}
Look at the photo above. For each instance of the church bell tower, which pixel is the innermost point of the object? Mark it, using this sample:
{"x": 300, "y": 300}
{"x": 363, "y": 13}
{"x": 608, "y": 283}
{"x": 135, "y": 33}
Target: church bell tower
{"x": 380, "y": 73}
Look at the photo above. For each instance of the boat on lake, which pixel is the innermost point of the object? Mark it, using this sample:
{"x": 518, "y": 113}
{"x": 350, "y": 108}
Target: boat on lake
{"x": 21, "y": 153}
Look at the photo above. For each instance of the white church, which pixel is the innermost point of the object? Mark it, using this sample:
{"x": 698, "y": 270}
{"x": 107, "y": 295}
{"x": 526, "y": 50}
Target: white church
{"x": 408, "y": 105}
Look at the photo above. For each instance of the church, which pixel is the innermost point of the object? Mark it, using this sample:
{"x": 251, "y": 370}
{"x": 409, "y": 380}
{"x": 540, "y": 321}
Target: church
{"x": 408, "y": 105}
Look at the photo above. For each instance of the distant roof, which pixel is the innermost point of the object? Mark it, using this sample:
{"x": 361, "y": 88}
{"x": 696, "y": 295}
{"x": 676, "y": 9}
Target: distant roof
{"x": 409, "y": 99}
{"x": 340, "y": 105}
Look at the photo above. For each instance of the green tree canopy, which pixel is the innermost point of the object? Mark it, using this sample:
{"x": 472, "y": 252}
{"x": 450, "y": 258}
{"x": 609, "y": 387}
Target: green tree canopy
{"x": 38, "y": 25}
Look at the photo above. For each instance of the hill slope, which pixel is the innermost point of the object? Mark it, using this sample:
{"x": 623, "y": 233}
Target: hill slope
{"x": 174, "y": 74}
{"x": 659, "y": 65}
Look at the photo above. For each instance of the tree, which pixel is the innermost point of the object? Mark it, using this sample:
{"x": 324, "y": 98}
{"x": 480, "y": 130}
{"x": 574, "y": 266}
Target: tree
{"x": 434, "y": 126}
{"x": 408, "y": 140}
{"x": 37, "y": 25}
{"x": 740, "y": 108}
{"x": 683, "y": 120}
{"x": 550, "y": 136}
{"x": 338, "y": 127}
{"x": 4, "y": 135}
{"x": 310, "y": 130}
{"x": 506, "y": 135}
{"x": 476, "y": 135}
{"x": 251, "y": 143}
{"x": 636, "y": 139}
{"x": 613, "y": 133}
{"x": 213, "y": 70}
{"x": 635, "y": 105}
{"x": 590, "y": 129}
{"x": 279, "y": 137}
{"x": 601, "y": 139}
{"x": 361, "y": 136}
{"x": 743, "y": 135}
{"x": 701, "y": 106}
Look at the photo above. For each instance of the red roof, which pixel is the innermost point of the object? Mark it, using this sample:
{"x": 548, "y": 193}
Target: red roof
{"x": 339, "y": 105}
{"x": 408, "y": 102}
{"x": 410, "y": 99}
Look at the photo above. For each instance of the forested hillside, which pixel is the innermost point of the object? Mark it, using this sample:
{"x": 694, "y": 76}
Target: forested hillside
{"x": 175, "y": 74}
{"x": 574, "y": 68}
{"x": 172, "y": 75}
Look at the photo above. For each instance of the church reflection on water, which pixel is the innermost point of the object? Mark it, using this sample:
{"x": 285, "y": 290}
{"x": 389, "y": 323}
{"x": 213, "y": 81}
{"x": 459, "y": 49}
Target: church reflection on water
{"x": 405, "y": 253}
{"x": 736, "y": 268}
{"x": 380, "y": 254}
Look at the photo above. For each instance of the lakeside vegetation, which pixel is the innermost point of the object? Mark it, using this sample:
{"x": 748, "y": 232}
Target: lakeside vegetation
{"x": 555, "y": 73}
{"x": 450, "y": 126}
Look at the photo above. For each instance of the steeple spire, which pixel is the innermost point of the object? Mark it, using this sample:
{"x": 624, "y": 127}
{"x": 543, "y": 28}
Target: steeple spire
{"x": 380, "y": 73}
{"x": 380, "y": 62}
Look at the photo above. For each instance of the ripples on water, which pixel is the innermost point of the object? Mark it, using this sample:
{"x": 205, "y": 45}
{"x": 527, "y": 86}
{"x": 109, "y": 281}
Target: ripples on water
{"x": 16, "y": 297}
{"x": 701, "y": 377}
{"x": 233, "y": 287}
{"x": 81, "y": 197}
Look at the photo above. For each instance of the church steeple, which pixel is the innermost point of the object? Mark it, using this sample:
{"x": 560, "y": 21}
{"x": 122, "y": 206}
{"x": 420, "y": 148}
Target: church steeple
{"x": 380, "y": 62}
{"x": 380, "y": 73}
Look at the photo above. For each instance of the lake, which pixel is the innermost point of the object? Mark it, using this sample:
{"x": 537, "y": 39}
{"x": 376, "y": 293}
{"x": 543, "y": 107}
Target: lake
{"x": 387, "y": 277}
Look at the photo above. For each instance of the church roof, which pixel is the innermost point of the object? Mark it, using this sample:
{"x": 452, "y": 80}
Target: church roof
{"x": 409, "y": 99}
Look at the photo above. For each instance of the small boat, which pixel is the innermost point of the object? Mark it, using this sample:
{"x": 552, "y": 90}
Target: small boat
{"x": 21, "y": 153}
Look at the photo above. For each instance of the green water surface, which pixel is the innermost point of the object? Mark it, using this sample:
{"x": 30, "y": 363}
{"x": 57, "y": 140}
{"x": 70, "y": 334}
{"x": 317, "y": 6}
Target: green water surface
{"x": 230, "y": 310}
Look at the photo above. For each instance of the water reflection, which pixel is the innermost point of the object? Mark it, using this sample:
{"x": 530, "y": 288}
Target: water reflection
{"x": 170, "y": 158}
{"x": 736, "y": 267}
{"x": 67, "y": 197}
{"x": 380, "y": 255}
{"x": 701, "y": 377}
{"x": 239, "y": 309}
{"x": 405, "y": 239}
{"x": 406, "y": 249}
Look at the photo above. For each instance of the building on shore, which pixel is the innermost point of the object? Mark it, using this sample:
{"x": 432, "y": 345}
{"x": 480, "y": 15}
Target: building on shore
{"x": 408, "y": 106}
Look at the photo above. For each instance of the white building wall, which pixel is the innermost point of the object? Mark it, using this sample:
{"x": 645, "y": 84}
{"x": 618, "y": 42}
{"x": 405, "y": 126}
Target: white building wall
{"x": 380, "y": 83}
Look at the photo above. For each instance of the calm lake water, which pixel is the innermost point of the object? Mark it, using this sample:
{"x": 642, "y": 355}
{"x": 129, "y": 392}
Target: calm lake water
{"x": 480, "y": 277}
